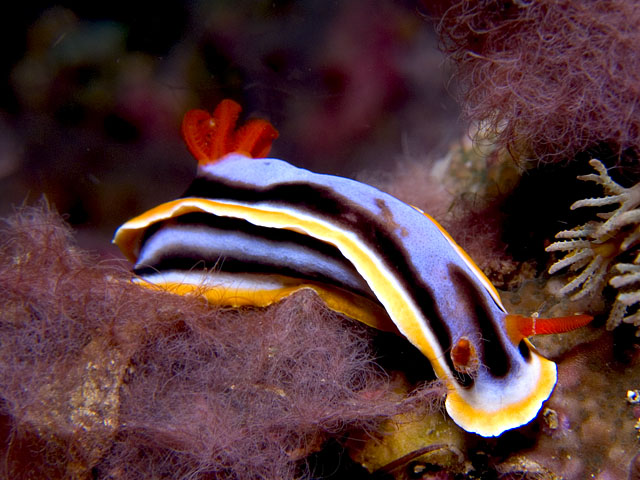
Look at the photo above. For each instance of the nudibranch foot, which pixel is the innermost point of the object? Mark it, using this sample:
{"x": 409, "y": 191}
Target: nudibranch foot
{"x": 256, "y": 290}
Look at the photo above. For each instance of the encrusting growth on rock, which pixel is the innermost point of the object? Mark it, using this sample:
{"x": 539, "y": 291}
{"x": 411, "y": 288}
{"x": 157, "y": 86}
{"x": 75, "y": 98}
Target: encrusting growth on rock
{"x": 549, "y": 78}
{"x": 592, "y": 249}
{"x": 101, "y": 378}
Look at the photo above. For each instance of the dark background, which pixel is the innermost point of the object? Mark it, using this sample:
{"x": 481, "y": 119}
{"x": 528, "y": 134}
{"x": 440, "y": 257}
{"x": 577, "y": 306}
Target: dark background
{"x": 94, "y": 94}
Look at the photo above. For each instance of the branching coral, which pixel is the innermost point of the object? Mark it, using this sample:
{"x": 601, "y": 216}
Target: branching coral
{"x": 100, "y": 378}
{"x": 551, "y": 78}
{"x": 593, "y": 247}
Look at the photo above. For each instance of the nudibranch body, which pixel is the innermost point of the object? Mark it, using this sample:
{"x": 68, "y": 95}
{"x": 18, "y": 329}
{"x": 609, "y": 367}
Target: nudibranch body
{"x": 250, "y": 231}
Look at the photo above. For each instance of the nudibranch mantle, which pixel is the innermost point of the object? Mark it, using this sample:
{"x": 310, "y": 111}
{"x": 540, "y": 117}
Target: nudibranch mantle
{"x": 250, "y": 231}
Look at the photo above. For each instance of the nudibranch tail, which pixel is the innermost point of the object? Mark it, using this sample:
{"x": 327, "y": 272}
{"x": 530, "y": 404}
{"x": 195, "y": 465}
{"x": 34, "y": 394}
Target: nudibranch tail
{"x": 520, "y": 327}
{"x": 210, "y": 137}
{"x": 492, "y": 408}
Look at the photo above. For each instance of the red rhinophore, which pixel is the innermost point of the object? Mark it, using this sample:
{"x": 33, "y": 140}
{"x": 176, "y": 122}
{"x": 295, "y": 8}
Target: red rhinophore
{"x": 211, "y": 137}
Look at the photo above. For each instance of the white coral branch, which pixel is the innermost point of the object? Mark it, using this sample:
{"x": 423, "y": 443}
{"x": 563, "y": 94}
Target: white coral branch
{"x": 593, "y": 247}
{"x": 618, "y": 220}
{"x": 597, "y": 202}
{"x": 603, "y": 178}
{"x": 575, "y": 260}
{"x": 616, "y": 315}
{"x": 628, "y": 299}
{"x": 630, "y": 275}
{"x": 587, "y": 282}
{"x": 634, "y": 319}
{"x": 631, "y": 240}
{"x": 587, "y": 230}
{"x": 629, "y": 280}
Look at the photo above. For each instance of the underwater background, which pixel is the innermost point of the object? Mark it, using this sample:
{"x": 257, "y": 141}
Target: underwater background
{"x": 93, "y": 94}
{"x": 515, "y": 123}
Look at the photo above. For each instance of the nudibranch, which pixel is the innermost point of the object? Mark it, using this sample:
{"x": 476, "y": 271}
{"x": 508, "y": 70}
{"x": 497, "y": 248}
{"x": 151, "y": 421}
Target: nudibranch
{"x": 252, "y": 230}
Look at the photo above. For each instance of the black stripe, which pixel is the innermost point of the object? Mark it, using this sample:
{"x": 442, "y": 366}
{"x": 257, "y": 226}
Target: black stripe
{"x": 182, "y": 258}
{"x": 524, "y": 350}
{"x": 442, "y": 332}
{"x": 373, "y": 230}
{"x": 494, "y": 354}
